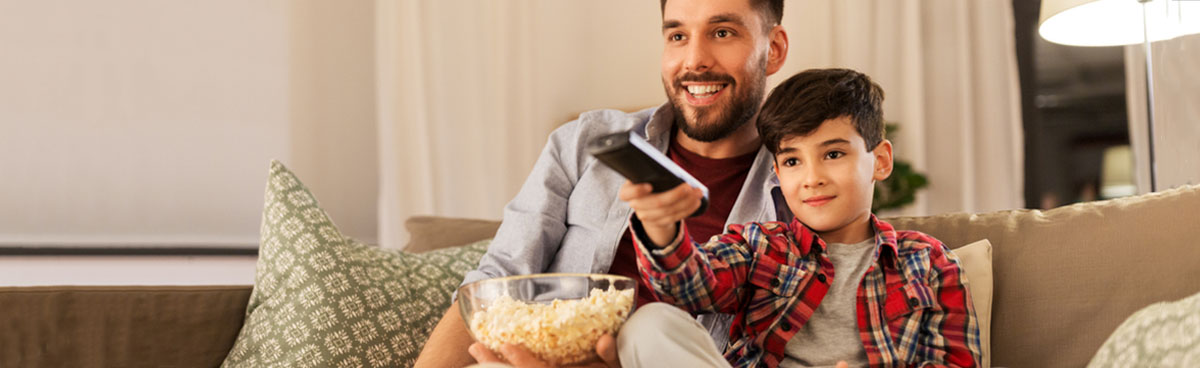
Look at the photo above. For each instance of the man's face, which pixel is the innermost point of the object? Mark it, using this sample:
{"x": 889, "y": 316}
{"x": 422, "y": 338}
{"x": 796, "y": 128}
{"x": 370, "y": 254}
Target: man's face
{"x": 714, "y": 65}
{"x": 828, "y": 178}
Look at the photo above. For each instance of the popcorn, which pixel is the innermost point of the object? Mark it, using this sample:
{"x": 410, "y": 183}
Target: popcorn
{"x": 561, "y": 332}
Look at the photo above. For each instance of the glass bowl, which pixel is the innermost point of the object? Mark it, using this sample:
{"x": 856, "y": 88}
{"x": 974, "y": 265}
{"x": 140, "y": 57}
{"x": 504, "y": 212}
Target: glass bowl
{"x": 556, "y": 316}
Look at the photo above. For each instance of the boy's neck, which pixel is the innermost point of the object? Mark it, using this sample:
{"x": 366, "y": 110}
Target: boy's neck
{"x": 855, "y": 232}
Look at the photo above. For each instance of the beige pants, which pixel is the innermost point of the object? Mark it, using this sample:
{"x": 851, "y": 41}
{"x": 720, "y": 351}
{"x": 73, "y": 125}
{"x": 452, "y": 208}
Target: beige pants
{"x": 660, "y": 335}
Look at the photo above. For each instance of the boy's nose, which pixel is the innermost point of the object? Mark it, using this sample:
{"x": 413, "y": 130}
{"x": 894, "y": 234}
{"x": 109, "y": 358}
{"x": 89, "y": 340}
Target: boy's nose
{"x": 815, "y": 177}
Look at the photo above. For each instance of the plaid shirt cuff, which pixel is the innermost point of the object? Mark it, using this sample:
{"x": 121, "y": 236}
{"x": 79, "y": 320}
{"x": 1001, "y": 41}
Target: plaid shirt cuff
{"x": 668, "y": 259}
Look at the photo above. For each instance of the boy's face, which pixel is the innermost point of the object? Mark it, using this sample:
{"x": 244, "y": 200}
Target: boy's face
{"x": 828, "y": 178}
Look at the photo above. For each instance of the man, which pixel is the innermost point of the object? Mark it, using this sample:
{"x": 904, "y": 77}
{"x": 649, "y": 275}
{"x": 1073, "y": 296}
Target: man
{"x": 567, "y": 217}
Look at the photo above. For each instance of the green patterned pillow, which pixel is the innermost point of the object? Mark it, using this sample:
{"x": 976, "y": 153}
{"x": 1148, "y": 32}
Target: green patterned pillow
{"x": 1161, "y": 335}
{"x": 321, "y": 299}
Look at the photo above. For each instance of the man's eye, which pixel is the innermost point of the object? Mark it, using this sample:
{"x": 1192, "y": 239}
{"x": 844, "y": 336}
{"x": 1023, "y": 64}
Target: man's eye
{"x": 834, "y": 154}
{"x": 723, "y": 33}
{"x": 676, "y": 37}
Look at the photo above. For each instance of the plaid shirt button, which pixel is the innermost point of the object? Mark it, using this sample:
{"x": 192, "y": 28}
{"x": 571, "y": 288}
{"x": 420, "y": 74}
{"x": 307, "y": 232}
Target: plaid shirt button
{"x": 785, "y": 326}
{"x": 775, "y": 283}
{"x": 912, "y": 302}
{"x": 821, "y": 277}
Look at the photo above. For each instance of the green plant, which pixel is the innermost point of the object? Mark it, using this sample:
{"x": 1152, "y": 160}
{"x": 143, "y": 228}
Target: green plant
{"x": 899, "y": 189}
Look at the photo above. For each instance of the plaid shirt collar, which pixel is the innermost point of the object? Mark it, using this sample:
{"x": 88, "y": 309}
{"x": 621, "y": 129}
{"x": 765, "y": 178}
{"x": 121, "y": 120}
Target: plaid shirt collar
{"x": 808, "y": 240}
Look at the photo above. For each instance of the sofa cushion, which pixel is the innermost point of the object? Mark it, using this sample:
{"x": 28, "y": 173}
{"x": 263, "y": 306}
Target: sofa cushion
{"x": 1161, "y": 335}
{"x": 976, "y": 261}
{"x": 321, "y": 299}
{"x": 119, "y": 326}
{"x": 1066, "y": 278}
{"x": 426, "y": 233}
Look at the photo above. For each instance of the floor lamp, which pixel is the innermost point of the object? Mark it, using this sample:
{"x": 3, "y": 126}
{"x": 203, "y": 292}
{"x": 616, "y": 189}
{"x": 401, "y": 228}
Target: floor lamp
{"x": 1121, "y": 22}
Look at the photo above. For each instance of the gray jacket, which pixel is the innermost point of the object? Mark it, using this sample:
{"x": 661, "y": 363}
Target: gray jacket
{"x": 567, "y": 217}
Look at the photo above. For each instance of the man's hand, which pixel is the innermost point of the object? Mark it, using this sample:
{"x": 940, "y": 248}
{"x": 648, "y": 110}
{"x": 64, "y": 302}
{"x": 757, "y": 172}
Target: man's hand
{"x": 519, "y": 357}
{"x": 660, "y": 213}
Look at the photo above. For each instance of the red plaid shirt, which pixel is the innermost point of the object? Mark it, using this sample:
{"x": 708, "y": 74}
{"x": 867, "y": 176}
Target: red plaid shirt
{"x": 913, "y": 306}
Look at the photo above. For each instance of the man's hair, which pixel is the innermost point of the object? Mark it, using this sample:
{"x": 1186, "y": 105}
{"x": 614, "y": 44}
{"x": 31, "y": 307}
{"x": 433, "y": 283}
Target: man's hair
{"x": 800, "y": 104}
{"x": 772, "y": 10}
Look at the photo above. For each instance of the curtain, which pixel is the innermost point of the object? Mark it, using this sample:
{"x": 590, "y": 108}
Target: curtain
{"x": 469, "y": 90}
{"x": 949, "y": 73}
{"x": 1176, "y": 115}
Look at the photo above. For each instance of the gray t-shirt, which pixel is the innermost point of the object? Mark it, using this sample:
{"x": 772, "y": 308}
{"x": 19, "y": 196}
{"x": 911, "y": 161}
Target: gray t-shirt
{"x": 831, "y": 334}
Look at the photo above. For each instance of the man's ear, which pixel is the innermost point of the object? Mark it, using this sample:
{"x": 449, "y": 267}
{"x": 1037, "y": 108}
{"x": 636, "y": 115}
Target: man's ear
{"x": 778, "y": 49}
{"x": 883, "y": 160}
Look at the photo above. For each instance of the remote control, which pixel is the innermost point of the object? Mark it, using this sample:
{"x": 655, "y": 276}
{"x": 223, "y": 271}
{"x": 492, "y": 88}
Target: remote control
{"x": 637, "y": 160}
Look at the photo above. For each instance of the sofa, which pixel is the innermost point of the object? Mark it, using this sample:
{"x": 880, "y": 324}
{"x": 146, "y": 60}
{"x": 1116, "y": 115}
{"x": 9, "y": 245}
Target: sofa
{"x": 1064, "y": 279}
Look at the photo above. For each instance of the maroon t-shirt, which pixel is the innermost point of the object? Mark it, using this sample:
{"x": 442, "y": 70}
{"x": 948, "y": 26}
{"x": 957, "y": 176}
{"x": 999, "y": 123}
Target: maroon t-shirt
{"x": 722, "y": 176}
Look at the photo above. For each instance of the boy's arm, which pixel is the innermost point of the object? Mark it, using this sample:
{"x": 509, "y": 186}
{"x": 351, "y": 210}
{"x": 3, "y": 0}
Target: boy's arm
{"x": 698, "y": 279}
{"x": 952, "y": 329}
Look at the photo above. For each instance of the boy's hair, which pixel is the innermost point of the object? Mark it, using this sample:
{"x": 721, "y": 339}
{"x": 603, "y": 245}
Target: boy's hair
{"x": 772, "y": 11}
{"x": 799, "y": 105}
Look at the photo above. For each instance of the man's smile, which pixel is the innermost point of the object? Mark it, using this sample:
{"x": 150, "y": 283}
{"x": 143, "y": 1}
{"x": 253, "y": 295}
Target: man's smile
{"x": 703, "y": 93}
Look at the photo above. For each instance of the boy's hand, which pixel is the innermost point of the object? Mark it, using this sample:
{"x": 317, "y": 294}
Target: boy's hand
{"x": 660, "y": 213}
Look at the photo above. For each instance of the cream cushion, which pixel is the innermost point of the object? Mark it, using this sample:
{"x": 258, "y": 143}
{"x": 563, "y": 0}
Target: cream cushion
{"x": 976, "y": 261}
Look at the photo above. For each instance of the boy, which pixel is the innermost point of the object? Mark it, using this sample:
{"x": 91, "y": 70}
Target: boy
{"x": 835, "y": 283}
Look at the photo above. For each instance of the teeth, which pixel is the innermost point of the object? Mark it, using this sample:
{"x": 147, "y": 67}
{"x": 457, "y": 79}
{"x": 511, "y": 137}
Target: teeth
{"x": 704, "y": 89}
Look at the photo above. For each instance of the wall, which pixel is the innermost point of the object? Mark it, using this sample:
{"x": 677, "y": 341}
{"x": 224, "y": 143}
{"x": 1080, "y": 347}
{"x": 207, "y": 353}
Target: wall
{"x": 151, "y": 123}
{"x": 139, "y": 122}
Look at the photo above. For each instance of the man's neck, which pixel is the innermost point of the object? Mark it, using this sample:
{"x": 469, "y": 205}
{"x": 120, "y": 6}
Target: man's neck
{"x": 740, "y": 142}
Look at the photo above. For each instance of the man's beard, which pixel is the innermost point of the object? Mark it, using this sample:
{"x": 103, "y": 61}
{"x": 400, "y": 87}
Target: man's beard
{"x": 712, "y": 123}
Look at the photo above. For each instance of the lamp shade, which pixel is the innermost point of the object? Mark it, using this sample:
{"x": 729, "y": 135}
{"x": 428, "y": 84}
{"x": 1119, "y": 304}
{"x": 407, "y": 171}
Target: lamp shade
{"x": 1116, "y": 22}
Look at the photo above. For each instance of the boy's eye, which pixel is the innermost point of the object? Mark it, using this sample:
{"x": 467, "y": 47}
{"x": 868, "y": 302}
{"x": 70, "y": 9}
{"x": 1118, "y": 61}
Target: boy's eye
{"x": 675, "y": 37}
{"x": 791, "y": 162}
{"x": 834, "y": 154}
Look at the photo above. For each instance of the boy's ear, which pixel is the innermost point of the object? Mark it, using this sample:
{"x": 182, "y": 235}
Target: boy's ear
{"x": 883, "y": 160}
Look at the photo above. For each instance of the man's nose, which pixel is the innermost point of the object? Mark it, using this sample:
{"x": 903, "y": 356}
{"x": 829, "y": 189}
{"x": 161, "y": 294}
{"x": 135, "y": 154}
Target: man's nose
{"x": 699, "y": 57}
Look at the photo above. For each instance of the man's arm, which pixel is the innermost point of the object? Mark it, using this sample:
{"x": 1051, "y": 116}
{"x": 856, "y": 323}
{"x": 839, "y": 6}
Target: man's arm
{"x": 530, "y": 234}
{"x": 447, "y": 344}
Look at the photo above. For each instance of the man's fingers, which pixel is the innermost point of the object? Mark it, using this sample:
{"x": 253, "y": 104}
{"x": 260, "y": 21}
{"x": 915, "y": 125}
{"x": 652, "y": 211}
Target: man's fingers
{"x": 630, "y": 191}
{"x": 677, "y": 194}
{"x": 522, "y": 358}
{"x": 668, "y": 212}
{"x": 606, "y": 348}
{"x": 667, "y": 202}
{"x": 482, "y": 354}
